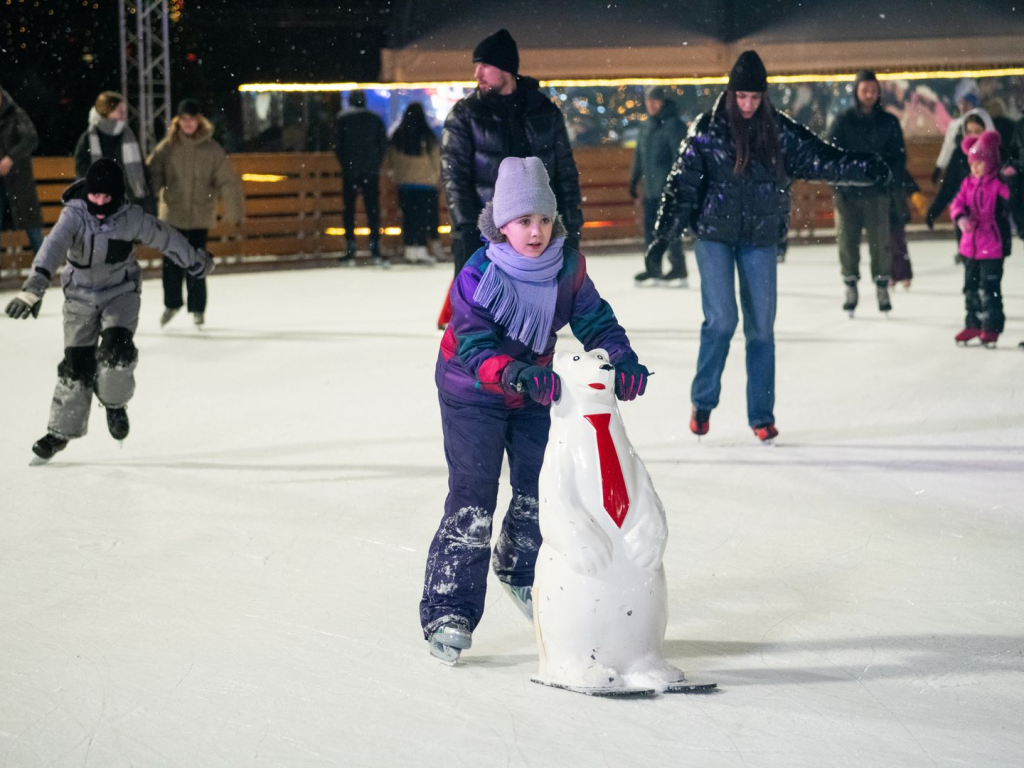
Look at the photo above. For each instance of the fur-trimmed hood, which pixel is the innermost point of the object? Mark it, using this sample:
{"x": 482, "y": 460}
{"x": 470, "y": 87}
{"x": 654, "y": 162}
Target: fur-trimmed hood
{"x": 489, "y": 230}
{"x": 203, "y": 132}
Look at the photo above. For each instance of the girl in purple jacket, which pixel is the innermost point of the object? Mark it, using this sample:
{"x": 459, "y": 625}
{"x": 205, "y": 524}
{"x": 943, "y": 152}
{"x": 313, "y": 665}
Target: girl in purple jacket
{"x": 495, "y": 385}
{"x": 981, "y": 210}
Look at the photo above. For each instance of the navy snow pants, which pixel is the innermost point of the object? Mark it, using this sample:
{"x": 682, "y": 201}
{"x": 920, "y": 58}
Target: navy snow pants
{"x": 475, "y": 441}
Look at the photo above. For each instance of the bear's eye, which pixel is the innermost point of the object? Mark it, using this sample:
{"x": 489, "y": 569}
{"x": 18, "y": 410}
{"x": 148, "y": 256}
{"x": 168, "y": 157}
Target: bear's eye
{"x": 575, "y": 358}
{"x": 600, "y": 357}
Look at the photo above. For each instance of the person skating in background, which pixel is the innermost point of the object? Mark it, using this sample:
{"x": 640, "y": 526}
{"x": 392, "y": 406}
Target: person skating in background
{"x": 867, "y": 127}
{"x": 190, "y": 172}
{"x": 110, "y": 136}
{"x": 413, "y": 160}
{"x": 495, "y": 386}
{"x": 96, "y": 234}
{"x": 731, "y": 185}
{"x": 506, "y": 116}
{"x": 360, "y": 141}
{"x": 18, "y": 139}
{"x": 974, "y": 123}
{"x": 967, "y": 97}
{"x": 656, "y": 150}
{"x": 981, "y": 210}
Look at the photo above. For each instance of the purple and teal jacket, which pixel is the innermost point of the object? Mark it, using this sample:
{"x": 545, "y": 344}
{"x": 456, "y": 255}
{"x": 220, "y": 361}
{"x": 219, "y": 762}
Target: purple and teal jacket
{"x": 475, "y": 348}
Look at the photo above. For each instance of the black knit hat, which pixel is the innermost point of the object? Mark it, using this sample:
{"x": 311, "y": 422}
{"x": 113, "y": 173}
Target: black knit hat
{"x": 748, "y": 73}
{"x": 357, "y": 98}
{"x": 499, "y": 50}
{"x": 189, "y": 107}
{"x": 105, "y": 177}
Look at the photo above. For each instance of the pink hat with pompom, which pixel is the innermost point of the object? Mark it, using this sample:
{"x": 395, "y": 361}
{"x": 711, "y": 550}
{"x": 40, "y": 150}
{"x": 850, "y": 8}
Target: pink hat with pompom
{"x": 984, "y": 148}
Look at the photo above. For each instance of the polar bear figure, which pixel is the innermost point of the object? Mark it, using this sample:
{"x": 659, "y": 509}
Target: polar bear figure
{"x": 599, "y": 594}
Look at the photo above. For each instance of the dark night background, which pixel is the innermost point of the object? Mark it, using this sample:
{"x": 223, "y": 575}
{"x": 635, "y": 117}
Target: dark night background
{"x": 58, "y": 55}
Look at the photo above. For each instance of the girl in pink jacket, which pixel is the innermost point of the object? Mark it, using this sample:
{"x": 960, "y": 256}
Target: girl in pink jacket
{"x": 981, "y": 210}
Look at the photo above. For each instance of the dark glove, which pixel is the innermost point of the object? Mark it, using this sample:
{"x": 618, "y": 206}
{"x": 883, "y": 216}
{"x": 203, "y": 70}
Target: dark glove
{"x": 541, "y": 384}
{"x": 23, "y": 305}
{"x": 630, "y": 379}
{"x": 203, "y": 267}
{"x": 930, "y": 217}
{"x": 936, "y": 175}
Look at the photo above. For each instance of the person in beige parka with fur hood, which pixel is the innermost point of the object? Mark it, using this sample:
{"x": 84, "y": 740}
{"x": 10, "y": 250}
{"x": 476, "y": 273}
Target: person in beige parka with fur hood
{"x": 190, "y": 172}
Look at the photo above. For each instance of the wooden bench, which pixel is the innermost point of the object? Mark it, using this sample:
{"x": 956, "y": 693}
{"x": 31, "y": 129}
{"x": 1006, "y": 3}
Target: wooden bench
{"x": 293, "y": 206}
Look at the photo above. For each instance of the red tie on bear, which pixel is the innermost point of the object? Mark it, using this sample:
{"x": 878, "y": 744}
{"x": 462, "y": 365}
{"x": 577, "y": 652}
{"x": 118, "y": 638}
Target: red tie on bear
{"x": 613, "y": 484}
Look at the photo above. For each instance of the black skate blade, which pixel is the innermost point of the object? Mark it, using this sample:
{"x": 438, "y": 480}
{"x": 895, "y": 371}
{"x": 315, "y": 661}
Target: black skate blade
{"x": 613, "y": 693}
{"x": 683, "y": 687}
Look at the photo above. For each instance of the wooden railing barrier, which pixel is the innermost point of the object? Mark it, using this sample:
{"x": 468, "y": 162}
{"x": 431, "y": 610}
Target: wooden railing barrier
{"x": 293, "y": 205}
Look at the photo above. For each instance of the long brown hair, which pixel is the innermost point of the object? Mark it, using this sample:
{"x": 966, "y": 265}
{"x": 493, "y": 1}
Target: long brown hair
{"x": 756, "y": 138}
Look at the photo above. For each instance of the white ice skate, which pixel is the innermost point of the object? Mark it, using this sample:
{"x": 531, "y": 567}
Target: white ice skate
{"x": 449, "y": 641}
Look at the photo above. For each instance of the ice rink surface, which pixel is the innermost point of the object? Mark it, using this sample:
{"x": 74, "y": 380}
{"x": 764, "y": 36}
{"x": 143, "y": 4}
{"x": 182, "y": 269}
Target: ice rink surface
{"x": 238, "y": 584}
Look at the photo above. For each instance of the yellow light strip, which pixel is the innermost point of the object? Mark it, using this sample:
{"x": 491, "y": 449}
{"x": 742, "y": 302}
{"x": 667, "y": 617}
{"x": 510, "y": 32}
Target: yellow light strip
{"x": 614, "y": 83}
{"x": 444, "y": 229}
{"x": 262, "y": 177}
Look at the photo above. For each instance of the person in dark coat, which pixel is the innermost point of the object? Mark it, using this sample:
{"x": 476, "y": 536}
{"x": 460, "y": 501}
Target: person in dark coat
{"x": 730, "y": 185}
{"x": 110, "y": 136}
{"x": 18, "y": 139}
{"x": 656, "y": 150}
{"x": 360, "y": 141}
{"x": 867, "y": 127}
{"x": 506, "y": 116}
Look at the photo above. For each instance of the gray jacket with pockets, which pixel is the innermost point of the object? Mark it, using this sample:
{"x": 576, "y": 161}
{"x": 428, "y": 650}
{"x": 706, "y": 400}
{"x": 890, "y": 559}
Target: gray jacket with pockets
{"x": 100, "y": 254}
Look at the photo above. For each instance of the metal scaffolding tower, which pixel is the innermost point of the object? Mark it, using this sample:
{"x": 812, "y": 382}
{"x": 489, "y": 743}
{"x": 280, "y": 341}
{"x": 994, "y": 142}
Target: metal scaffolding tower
{"x": 146, "y": 66}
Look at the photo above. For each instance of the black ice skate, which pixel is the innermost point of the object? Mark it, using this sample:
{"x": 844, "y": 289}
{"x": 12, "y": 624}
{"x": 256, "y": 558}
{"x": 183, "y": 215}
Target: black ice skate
{"x": 675, "y": 279}
{"x": 646, "y": 279}
{"x": 448, "y": 641}
{"x": 851, "y": 295}
{"x": 117, "y": 423}
{"x": 46, "y": 447}
{"x": 168, "y": 315}
{"x": 349, "y": 259}
{"x": 882, "y": 289}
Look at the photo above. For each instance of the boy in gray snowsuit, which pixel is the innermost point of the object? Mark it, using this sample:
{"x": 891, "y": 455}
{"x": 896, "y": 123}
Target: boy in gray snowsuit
{"x": 96, "y": 233}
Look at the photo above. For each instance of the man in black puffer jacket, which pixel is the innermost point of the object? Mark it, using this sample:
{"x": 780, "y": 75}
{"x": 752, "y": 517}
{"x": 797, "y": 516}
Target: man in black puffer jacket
{"x": 506, "y": 116}
{"x": 867, "y": 127}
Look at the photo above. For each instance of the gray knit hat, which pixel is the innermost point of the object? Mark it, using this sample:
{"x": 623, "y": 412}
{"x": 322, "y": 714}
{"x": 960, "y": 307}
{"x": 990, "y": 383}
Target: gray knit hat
{"x": 522, "y": 187}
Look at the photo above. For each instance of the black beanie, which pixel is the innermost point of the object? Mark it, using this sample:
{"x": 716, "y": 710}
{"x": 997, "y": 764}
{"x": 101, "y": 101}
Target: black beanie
{"x": 499, "y": 50}
{"x": 748, "y": 73}
{"x": 357, "y": 98}
{"x": 105, "y": 177}
{"x": 189, "y": 107}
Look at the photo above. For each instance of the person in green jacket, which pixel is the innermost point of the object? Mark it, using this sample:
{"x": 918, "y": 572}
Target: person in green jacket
{"x": 190, "y": 172}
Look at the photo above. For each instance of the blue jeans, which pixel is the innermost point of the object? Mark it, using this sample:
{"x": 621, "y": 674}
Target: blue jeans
{"x": 35, "y": 236}
{"x": 717, "y": 263}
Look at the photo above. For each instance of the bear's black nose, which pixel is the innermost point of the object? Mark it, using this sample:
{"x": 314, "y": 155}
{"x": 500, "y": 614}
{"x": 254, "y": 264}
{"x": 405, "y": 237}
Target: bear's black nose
{"x": 607, "y": 367}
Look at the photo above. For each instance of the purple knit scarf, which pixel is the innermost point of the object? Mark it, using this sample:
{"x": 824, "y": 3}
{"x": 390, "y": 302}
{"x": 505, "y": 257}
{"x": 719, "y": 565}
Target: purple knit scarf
{"x": 520, "y": 292}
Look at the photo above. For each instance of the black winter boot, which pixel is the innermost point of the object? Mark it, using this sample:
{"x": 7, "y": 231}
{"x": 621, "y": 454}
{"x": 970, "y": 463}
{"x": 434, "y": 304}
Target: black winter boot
{"x": 48, "y": 446}
{"x": 117, "y": 423}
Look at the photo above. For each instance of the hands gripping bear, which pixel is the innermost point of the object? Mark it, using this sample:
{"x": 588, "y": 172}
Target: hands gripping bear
{"x": 543, "y": 385}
